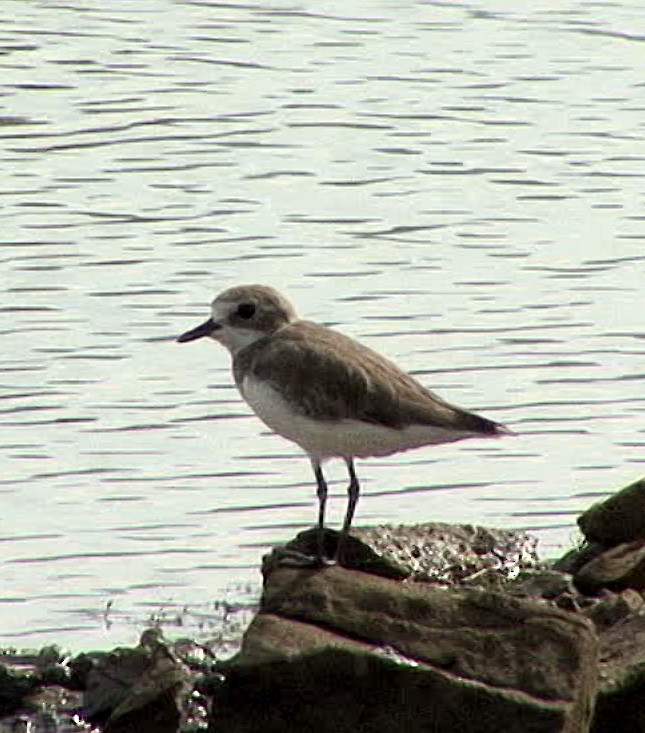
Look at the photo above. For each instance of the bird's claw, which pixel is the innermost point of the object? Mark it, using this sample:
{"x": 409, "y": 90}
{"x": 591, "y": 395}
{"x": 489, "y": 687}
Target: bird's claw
{"x": 283, "y": 557}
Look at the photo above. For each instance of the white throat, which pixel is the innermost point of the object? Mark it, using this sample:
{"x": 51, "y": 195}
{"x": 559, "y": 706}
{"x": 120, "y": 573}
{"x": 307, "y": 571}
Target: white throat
{"x": 235, "y": 339}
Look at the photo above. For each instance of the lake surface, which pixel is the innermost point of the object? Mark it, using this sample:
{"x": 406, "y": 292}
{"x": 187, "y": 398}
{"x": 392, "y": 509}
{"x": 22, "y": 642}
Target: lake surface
{"x": 460, "y": 187}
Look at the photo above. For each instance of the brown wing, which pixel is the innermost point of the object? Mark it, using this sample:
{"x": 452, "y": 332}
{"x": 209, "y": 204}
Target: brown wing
{"x": 330, "y": 376}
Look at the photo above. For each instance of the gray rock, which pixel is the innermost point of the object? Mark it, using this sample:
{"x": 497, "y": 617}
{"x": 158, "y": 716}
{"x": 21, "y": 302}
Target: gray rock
{"x": 15, "y": 686}
{"x": 617, "y": 568}
{"x": 139, "y": 690}
{"x": 436, "y": 552}
{"x": 614, "y": 608}
{"x": 619, "y": 705}
{"x": 574, "y": 559}
{"x": 546, "y": 584}
{"x": 338, "y": 650}
{"x": 618, "y": 519}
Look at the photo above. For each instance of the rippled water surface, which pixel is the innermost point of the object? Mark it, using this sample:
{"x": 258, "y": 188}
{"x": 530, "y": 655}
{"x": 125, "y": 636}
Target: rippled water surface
{"x": 460, "y": 187}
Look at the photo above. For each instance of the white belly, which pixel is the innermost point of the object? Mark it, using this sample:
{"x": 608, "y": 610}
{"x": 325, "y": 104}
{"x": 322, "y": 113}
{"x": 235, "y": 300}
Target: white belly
{"x": 344, "y": 438}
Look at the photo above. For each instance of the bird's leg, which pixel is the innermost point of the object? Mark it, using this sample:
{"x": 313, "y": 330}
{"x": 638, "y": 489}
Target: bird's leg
{"x": 322, "y": 502}
{"x": 286, "y": 557}
{"x": 352, "y": 492}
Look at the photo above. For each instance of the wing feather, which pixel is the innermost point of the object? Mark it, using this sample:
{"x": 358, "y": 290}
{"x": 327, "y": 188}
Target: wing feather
{"x": 329, "y": 376}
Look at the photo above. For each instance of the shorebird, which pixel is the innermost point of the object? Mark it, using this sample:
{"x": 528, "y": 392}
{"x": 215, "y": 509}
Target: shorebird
{"x": 326, "y": 392}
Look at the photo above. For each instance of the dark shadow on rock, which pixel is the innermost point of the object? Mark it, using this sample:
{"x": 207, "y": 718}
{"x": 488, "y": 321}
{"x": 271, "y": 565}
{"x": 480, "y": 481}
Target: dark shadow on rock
{"x": 336, "y": 690}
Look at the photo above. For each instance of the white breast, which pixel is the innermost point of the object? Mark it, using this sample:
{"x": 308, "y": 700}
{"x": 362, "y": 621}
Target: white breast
{"x": 344, "y": 438}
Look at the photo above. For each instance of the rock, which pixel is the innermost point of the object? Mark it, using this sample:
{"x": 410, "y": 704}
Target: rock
{"x": 547, "y": 584}
{"x": 15, "y": 686}
{"x": 140, "y": 690}
{"x": 620, "y": 567}
{"x": 436, "y": 552}
{"x": 33, "y": 692}
{"x": 31, "y": 722}
{"x": 615, "y": 607}
{"x": 619, "y": 519}
{"x": 619, "y": 705}
{"x": 338, "y": 650}
{"x": 574, "y": 559}
{"x": 358, "y": 553}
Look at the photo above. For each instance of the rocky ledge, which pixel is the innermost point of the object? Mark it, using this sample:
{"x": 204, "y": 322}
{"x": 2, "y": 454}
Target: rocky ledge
{"x": 425, "y": 628}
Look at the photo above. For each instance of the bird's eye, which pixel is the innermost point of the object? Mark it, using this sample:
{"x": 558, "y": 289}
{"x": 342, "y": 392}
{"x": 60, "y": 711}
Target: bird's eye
{"x": 246, "y": 310}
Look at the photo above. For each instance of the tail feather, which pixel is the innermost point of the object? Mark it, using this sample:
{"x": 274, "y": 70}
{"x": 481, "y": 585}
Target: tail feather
{"x": 477, "y": 424}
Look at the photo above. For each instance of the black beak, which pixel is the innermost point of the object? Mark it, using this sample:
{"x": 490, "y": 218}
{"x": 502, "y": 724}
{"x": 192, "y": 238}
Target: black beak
{"x": 205, "y": 329}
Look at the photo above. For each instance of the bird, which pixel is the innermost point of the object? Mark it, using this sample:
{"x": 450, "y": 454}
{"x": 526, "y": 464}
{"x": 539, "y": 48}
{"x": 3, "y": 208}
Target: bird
{"x": 328, "y": 393}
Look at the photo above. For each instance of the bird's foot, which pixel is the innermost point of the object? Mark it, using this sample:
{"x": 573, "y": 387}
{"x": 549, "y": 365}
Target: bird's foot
{"x": 283, "y": 557}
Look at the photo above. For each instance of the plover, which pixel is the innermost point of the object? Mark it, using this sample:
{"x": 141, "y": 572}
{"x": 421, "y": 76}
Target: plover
{"x": 326, "y": 392}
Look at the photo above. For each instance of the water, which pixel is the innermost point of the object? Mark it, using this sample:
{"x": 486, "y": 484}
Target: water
{"x": 461, "y": 188}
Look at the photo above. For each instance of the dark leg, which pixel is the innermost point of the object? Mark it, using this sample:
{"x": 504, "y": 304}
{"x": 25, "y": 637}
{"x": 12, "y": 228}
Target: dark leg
{"x": 322, "y": 502}
{"x": 294, "y": 558}
{"x": 352, "y": 492}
